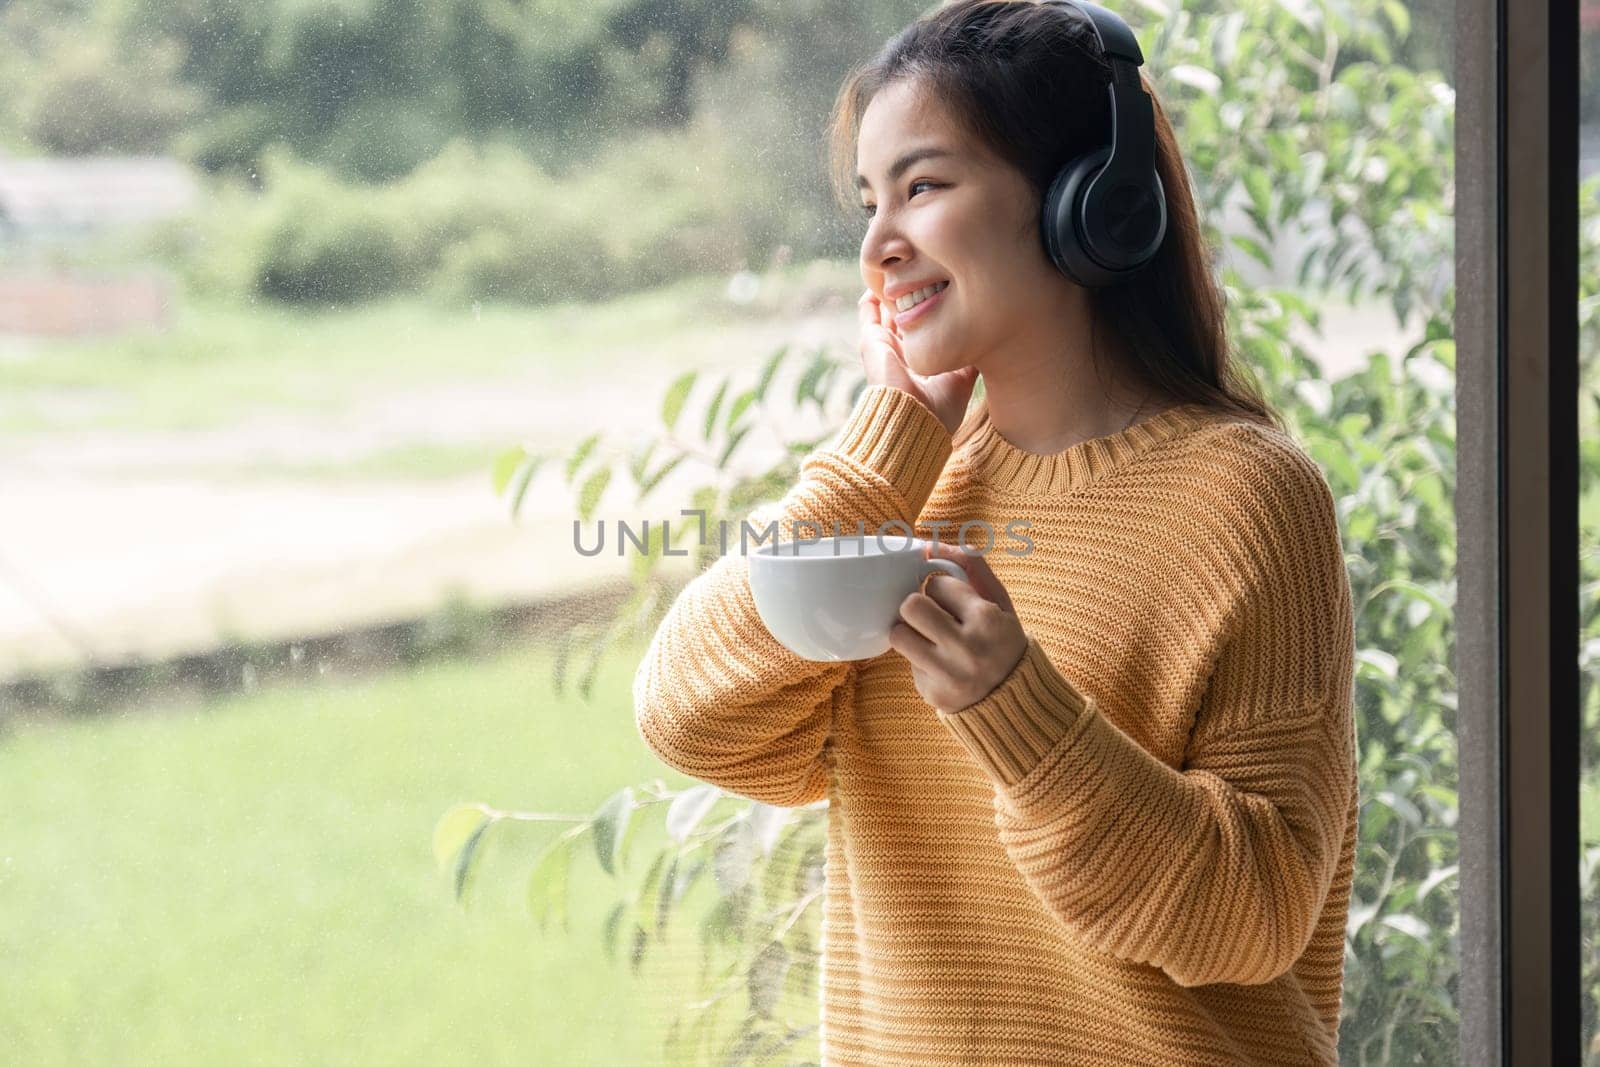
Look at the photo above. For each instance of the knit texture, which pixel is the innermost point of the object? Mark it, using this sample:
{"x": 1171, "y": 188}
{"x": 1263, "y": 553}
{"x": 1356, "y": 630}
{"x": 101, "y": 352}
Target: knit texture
{"x": 1137, "y": 849}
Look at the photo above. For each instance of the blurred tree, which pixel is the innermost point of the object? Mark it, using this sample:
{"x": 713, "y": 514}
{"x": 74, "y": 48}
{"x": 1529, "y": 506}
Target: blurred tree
{"x": 676, "y": 37}
{"x": 91, "y": 98}
{"x": 371, "y": 88}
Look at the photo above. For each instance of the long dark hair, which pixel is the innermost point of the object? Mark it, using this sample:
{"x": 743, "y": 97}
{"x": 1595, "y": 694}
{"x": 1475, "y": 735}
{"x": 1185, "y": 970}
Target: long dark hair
{"x": 1026, "y": 79}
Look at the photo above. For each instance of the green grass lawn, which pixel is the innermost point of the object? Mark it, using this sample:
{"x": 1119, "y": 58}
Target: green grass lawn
{"x": 223, "y": 361}
{"x": 253, "y": 881}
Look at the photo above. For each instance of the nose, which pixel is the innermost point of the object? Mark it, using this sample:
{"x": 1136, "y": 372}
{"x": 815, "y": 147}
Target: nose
{"x": 881, "y": 248}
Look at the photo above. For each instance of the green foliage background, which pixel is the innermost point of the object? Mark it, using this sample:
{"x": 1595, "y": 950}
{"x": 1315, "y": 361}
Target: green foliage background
{"x": 523, "y": 150}
{"x": 1358, "y": 157}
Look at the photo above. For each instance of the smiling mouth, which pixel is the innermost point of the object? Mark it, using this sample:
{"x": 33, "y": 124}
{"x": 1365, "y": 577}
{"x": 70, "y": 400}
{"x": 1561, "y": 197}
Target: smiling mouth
{"x": 923, "y": 307}
{"x": 936, "y": 287}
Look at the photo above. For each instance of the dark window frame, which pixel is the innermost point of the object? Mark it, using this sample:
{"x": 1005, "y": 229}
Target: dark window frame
{"x": 1517, "y": 527}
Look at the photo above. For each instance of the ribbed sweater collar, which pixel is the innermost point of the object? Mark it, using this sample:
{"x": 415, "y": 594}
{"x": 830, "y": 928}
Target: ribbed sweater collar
{"x": 995, "y": 461}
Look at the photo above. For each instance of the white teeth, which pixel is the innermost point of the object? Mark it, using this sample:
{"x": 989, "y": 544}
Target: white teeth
{"x": 911, "y": 300}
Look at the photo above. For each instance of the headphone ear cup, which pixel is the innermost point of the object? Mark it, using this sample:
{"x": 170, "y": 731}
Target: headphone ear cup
{"x": 1058, "y": 221}
{"x": 1099, "y": 235}
{"x": 1124, "y": 221}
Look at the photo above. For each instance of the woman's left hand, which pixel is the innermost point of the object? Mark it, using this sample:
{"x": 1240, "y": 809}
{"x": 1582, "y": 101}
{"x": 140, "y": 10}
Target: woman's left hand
{"x": 961, "y": 640}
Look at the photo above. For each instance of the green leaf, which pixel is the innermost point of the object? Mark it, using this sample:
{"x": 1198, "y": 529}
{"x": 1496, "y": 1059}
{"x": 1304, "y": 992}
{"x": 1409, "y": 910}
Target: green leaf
{"x": 613, "y": 922}
{"x": 1285, "y": 157}
{"x": 580, "y": 454}
{"x": 733, "y": 443}
{"x": 857, "y": 389}
{"x": 505, "y": 465}
{"x": 1414, "y": 591}
{"x": 1253, "y": 247}
{"x": 717, "y": 923}
{"x": 716, "y": 406}
{"x": 650, "y": 890}
{"x": 547, "y": 882}
{"x": 1363, "y": 526}
{"x": 807, "y": 384}
{"x": 1358, "y": 916}
{"x": 593, "y": 488}
{"x": 1258, "y": 185}
{"x": 1400, "y": 806}
{"x": 780, "y": 881}
{"x": 766, "y": 824}
{"x": 1316, "y": 394}
{"x": 688, "y": 808}
{"x": 454, "y": 829}
{"x": 1409, "y": 925}
{"x": 636, "y": 951}
{"x": 667, "y": 896}
{"x": 630, "y": 834}
{"x": 1399, "y": 17}
{"x": 1434, "y": 879}
{"x": 523, "y": 480}
{"x": 733, "y": 857}
{"x": 1378, "y": 660}
{"x": 609, "y": 824}
{"x": 768, "y": 370}
{"x": 655, "y": 479}
{"x": 678, "y": 882}
{"x": 1225, "y": 44}
{"x": 464, "y": 859}
{"x": 677, "y": 393}
{"x": 641, "y": 460}
{"x": 765, "y": 978}
{"x": 1196, "y": 77}
{"x": 738, "y": 407}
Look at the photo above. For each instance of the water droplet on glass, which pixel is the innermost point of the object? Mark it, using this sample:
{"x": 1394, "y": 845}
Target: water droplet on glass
{"x": 743, "y": 287}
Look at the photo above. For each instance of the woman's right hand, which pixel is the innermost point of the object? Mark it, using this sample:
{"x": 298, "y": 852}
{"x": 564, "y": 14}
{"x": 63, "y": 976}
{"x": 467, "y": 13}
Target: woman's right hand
{"x": 946, "y": 395}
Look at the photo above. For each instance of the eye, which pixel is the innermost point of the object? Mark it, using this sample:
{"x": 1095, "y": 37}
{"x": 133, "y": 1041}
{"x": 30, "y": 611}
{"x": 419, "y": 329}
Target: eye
{"x": 870, "y": 208}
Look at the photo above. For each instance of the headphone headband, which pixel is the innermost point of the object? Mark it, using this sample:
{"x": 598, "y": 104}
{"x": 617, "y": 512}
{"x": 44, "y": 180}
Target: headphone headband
{"x": 1112, "y": 34}
{"x": 1105, "y": 214}
{"x": 1133, "y": 126}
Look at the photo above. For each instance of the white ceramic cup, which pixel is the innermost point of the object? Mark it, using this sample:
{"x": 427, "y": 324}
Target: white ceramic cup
{"x": 837, "y": 598}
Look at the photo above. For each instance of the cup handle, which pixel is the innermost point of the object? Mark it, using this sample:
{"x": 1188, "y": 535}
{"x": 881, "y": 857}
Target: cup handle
{"x": 953, "y": 569}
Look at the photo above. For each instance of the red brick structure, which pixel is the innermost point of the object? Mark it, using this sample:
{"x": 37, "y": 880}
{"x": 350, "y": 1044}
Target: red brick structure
{"x": 63, "y": 304}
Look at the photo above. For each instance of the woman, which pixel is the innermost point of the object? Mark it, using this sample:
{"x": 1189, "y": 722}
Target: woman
{"x": 1098, "y": 806}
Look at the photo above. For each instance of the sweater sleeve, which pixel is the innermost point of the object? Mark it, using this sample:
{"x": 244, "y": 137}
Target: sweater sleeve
{"x": 716, "y": 696}
{"x": 1218, "y": 871}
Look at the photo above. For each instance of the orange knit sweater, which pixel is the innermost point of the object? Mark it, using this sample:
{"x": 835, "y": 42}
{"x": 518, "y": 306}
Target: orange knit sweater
{"x": 1137, "y": 849}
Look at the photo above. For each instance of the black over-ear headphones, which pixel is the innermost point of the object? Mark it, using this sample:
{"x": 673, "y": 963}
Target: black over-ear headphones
{"x": 1106, "y": 212}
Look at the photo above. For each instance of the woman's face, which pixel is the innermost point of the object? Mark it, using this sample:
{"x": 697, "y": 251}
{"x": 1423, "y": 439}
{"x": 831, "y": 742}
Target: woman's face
{"x": 962, "y": 217}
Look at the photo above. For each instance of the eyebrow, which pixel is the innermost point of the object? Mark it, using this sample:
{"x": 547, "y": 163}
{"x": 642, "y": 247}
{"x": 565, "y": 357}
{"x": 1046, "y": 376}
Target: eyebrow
{"x": 901, "y": 165}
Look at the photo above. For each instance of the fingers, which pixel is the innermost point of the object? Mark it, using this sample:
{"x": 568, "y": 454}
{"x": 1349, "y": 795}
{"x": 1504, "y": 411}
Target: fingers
{"x": 929, "y": 618}
{"x": 874, "y": 312}
{"x": 867, "y": 309}
{"x": 904, "y": 639}
{"x": 984, "y": 581}
{"x": 870, "y": 309}
{"x": 871, "y": 319}
{"x": 957, "y": 598}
